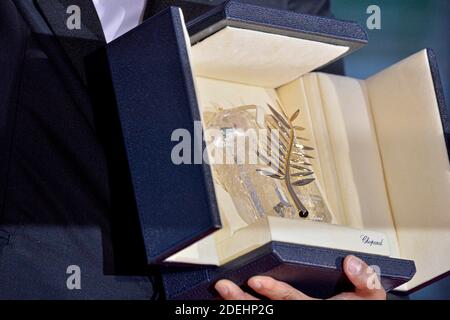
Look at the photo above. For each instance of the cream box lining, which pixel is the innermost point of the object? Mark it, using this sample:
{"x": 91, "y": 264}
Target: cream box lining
{"x": 367, "y": 174}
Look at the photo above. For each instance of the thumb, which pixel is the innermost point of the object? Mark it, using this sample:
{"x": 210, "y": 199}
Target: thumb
{"x": 364, "y": 278}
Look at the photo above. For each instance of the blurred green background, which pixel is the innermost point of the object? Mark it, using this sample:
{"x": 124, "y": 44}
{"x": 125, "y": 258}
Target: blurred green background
{"x": 407, "y": 26}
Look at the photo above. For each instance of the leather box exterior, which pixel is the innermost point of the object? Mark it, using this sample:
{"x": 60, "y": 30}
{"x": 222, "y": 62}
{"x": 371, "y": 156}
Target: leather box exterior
{"x": 315, "y": 271}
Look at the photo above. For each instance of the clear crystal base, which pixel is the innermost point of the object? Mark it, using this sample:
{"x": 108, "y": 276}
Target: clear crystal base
{"x": 253, "y": 194}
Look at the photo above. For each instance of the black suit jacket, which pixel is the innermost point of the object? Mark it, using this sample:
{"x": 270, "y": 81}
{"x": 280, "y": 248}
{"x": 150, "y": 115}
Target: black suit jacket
{"x": 56, "y": 200}
{"x": 64, "y": 193}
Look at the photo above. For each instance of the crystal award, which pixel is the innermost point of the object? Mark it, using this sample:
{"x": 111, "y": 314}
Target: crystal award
{"x": 263, "y": 164}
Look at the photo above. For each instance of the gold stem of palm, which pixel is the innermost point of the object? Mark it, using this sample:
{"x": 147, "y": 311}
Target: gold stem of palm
{"x": 290, "y": 168}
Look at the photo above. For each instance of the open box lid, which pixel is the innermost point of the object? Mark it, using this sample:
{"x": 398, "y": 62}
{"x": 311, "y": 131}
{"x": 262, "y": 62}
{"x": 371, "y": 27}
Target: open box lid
{"x": 286, "y": 23}
{"x": 155, "y": 93}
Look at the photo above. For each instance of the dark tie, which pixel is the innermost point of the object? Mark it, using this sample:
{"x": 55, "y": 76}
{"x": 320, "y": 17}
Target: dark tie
{"x": 78, "y": 43}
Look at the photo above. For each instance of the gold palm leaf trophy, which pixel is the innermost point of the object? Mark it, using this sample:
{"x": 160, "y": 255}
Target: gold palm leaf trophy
{"x": 292, "y": 164}
{"x": 281, "y": 182}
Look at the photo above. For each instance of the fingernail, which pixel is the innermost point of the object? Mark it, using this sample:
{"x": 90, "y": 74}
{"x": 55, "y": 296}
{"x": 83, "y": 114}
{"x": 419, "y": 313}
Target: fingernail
{"x": 354, "y": 265}
{"x": 256, "y": 284}
{"x": 222, "y": 289}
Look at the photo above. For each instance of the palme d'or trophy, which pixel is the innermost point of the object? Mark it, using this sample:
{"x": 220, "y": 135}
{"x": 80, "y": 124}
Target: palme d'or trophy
{"x": 281, "y": 182}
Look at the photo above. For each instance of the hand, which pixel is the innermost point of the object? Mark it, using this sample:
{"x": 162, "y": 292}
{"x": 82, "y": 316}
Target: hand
{"x": 367, "y": 286}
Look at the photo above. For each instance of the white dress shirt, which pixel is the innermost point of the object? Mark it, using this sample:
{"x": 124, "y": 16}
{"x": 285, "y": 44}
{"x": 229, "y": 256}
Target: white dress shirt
{"x": 119, "y": 16}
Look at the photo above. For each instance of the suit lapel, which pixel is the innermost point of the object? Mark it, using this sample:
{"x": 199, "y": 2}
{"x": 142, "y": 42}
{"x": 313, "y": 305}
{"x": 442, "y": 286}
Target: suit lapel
{"x": 53, "y": 49}
{"x": 76, "y": 26}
